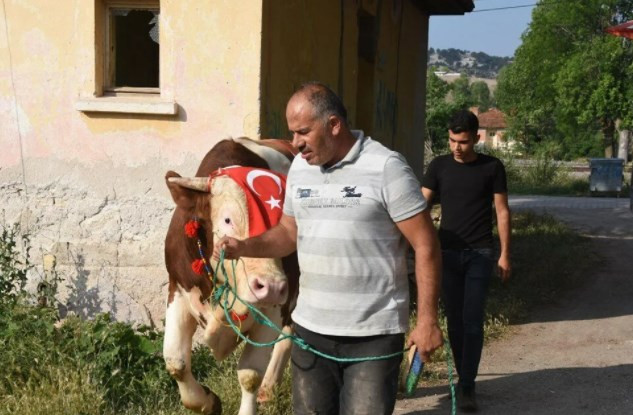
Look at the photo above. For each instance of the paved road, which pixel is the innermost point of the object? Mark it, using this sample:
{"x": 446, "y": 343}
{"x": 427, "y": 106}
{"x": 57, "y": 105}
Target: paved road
{"x": 556, "y": 202}
{"x": 576, "y": 356}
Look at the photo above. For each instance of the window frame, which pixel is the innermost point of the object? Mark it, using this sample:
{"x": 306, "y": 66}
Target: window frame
{"x": 108, "y": 55}
{"x": 128, "y": 100}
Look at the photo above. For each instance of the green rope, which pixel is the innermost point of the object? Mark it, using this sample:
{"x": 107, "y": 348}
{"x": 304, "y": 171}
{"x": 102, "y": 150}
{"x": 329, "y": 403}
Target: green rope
{"x": 225, "y": 288}
{"x": 449, "y": 363}
{"x": 263, "y": 319}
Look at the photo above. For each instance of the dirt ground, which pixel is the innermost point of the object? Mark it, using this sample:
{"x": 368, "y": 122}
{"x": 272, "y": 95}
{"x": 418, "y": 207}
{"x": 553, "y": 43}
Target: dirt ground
{"x": 576, "y": 355}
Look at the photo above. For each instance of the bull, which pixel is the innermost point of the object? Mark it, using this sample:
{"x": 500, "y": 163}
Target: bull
{"x": 220, "y": 207}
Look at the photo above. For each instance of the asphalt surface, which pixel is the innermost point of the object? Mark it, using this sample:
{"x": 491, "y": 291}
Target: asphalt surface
{"x": 575, "y": 356}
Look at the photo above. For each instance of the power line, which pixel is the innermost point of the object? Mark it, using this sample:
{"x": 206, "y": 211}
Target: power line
{"x": 503, "y": 8}
{"x": 517, "y": 7}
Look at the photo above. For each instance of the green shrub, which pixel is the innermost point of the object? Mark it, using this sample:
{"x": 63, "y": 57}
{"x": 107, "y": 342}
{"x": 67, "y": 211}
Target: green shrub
{"x": 96, "y": 366}
{"x": 14, "y": 263}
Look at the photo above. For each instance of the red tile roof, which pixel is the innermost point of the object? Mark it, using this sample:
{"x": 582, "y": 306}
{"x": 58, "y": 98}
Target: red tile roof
{"x": 492, "y": 118}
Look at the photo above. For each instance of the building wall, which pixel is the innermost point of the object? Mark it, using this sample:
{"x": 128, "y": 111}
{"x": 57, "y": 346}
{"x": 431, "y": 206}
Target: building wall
{"x": 88, "y": 186}
{"x": 384, "y": 96}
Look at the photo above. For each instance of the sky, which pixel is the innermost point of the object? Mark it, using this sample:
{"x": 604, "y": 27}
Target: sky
{"x": 495, "y": 32}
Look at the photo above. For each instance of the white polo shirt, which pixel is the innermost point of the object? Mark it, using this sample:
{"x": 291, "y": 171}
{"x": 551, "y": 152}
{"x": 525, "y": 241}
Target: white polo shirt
{"x": 352, "y": 256}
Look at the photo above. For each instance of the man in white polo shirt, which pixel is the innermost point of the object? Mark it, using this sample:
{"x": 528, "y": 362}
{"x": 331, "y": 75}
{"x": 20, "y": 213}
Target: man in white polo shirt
{"x": 351, "y": 206}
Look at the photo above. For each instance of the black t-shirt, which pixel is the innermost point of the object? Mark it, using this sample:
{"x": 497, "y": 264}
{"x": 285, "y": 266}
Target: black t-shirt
{"x": 466, "y": 192}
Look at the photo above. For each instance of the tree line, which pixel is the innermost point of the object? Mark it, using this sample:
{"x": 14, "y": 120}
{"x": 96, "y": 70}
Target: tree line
{"x": 570, "y": 85}
{"x": 443, "y": 99}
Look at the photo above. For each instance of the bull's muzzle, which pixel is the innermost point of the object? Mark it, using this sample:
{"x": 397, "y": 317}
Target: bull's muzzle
{"x": 267, "y": 291}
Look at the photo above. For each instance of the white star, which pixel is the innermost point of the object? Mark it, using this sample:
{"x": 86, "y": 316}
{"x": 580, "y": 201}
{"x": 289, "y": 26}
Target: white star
{"x": 274, "y": 203}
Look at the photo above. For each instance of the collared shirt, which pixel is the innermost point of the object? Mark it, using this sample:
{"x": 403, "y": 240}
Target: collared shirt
{"x": 351, "y": 254}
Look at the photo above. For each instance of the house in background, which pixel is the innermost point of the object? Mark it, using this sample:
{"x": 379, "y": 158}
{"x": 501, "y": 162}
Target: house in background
{"x": 492, "y": 129}
{"x": 99, "y": 98}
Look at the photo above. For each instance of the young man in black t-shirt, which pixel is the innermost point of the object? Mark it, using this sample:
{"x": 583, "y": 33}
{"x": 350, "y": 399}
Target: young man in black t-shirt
{"x": 467, "y": 183}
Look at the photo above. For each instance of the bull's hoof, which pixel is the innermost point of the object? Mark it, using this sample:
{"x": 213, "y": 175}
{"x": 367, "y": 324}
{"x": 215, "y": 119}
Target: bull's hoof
{"x": 211, "y": 406}
{"x": 216, "y": 407}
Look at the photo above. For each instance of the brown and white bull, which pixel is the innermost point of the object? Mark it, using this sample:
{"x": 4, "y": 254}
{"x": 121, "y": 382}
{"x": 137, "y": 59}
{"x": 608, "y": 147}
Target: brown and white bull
{"x": 220, "y": 207}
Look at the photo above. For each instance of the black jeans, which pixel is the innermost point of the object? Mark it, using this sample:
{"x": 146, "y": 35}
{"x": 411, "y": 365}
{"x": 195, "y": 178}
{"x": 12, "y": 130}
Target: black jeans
{"x": 465, "y": 279}
{"x": 325, "y": 387}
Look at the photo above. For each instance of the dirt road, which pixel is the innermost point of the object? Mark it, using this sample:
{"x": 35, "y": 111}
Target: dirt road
{"x": 575, "y": 356}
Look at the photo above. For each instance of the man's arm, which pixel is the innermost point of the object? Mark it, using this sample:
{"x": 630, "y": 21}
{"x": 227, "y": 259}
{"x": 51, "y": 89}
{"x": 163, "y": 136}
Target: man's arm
{"x": 504, "y": 228}
{"x": 420, "y": 233}
{"x": 277, "y": 242}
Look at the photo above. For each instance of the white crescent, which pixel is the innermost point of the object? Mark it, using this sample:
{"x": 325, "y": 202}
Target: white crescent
{"x": 253, "y": 174}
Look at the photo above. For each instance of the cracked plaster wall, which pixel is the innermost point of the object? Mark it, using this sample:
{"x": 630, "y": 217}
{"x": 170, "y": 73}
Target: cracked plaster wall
{"x": 89, "y": 187}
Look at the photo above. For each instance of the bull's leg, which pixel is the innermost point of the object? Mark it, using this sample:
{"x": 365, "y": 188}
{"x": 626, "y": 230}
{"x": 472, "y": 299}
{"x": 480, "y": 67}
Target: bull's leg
{"x": 276, "y": 366}
{"x": 179, "y": 329}
{"x": 253, "y": 363}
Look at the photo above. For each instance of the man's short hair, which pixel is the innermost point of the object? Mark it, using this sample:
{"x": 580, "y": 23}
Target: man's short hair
{"x": 464, "y": 121}
{"x": 324, "y": 101}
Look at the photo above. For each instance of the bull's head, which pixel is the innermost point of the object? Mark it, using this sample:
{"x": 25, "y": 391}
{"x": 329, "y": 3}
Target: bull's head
{"x": 222, "y": 204}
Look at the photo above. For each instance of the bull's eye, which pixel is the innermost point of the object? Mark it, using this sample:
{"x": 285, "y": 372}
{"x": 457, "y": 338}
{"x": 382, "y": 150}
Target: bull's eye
{"x": 227, "y": 221}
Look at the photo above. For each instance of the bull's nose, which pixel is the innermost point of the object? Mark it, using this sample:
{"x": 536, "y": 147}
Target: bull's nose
{"x": 268, "y": 291}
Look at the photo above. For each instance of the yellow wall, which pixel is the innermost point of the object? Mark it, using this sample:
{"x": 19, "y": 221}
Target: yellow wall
{"x": 209, "y": 66}
{"x": 308, "y": 40}
{"x": 89, "y": 187}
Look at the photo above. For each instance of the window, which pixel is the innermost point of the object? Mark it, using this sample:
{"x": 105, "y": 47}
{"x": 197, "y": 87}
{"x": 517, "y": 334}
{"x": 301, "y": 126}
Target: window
{"x": 131, "y": 47}
{"x": 127, "y": 60}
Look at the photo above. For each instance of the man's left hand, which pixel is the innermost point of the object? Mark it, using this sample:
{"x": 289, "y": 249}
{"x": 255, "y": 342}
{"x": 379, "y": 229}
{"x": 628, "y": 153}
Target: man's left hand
{"x": 504, "y": 268}
{"x": 427, "y": 336}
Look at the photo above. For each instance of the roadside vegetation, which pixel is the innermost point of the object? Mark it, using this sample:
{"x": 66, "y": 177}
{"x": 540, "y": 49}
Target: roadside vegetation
{"x": 100, "y": 366}
{"x": 541, "y": 174}
{"x": 88, "y": 367}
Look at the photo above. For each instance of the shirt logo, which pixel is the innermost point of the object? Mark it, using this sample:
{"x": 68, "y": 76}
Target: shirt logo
{"x": 350, "y": 192}
{"x": 305, "y": 193}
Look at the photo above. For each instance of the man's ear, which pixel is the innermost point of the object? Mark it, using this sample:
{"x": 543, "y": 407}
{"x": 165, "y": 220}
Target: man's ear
{"x": 335, "y": 124}
{"x": 476, "y": 138}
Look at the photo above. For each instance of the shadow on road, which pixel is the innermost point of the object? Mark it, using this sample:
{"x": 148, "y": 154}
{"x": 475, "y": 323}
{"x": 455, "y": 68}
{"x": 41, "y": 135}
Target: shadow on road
{"x": 607, "y": 290}
{"x": 550, "y": 391}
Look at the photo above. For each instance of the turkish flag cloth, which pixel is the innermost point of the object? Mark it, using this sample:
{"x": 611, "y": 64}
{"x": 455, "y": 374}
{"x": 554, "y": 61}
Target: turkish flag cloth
{"x": 624, "y": 30}
{"x": 264, "y": 190}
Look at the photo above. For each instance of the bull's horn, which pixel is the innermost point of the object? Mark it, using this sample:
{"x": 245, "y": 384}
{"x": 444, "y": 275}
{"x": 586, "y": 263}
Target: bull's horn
{"x": 196, "y": 183}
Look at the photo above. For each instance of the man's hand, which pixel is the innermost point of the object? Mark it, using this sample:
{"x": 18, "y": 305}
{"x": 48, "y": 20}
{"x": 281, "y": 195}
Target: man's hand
{"x": 427, "y": 336}
{"x": 504, "y": 268}
{"x": 232, "y": 247}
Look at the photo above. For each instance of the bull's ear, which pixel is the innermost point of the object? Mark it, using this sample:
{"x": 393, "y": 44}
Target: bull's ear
{"x": 184, "y": 197}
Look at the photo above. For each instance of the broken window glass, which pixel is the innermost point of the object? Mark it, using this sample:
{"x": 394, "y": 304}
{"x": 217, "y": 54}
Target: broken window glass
{"x": 135, "y": 48}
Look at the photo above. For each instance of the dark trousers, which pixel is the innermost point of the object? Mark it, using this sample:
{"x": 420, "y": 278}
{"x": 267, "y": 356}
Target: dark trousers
{"x": 325, "y": 387}
{"x": 465, "y": 279}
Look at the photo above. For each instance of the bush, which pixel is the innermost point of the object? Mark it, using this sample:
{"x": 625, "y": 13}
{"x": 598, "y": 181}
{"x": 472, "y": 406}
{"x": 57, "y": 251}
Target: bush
{"x": 14, "y": 263}
{"x": 93, "y": 367}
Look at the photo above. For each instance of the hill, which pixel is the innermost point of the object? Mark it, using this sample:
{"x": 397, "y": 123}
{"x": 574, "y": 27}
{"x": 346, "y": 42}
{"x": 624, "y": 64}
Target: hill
{"x": 474, "y": 64}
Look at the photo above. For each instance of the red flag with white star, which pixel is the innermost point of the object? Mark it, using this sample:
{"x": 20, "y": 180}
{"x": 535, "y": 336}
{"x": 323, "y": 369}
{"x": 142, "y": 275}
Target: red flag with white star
{"x": 265, "y": 191}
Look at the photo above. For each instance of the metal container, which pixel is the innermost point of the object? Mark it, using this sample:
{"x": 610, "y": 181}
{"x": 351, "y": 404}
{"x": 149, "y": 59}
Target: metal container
{"x": 606, "y": 175}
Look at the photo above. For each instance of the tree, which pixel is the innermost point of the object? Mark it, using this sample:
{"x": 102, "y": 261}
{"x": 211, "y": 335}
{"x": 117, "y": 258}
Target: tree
{"x": 480, "y": 94}
{"x": 438, "y": 111}
{"x": 461, "y": 92}
{"x": 569, "y": 81}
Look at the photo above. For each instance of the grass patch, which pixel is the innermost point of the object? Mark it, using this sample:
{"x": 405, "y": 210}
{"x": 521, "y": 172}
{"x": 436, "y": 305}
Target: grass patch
{"x": 102, "y": 367}
{"x": 97, "y": 366}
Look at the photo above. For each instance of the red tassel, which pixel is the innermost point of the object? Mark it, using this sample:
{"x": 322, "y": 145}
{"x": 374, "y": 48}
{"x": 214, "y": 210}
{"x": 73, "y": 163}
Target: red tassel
{"x": 236, "y": 317}
{"x": 191, "y": 228}
{"x": 198, "y": 266}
